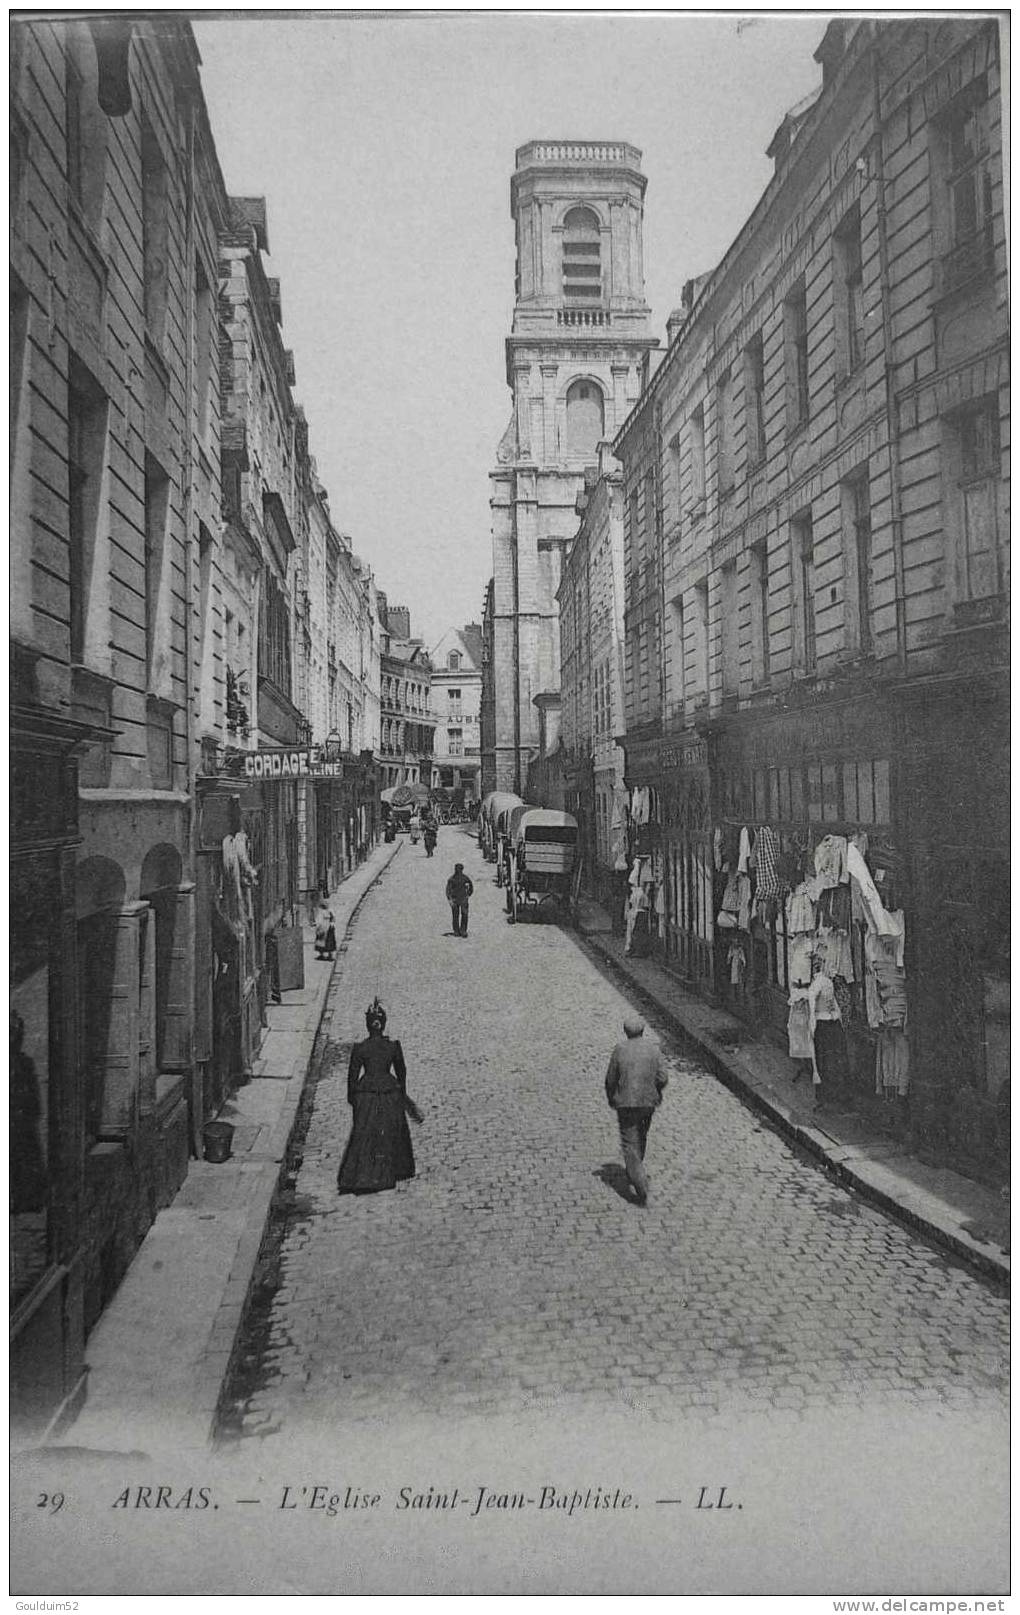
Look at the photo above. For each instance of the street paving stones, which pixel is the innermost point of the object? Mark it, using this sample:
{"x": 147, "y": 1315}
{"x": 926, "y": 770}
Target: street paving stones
{"x": 514, "y": 1273}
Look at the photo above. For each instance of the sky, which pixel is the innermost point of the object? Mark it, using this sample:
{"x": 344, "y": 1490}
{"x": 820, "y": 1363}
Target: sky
{"x": 384, "y": 147}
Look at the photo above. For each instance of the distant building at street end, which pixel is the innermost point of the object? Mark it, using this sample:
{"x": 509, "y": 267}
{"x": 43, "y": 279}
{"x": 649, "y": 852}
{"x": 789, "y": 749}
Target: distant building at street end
{"x": 575, "y": 359}
{"x": 407, "y": 719}
{"x": 816, "y": 518}
{"x": 456, "y": 706}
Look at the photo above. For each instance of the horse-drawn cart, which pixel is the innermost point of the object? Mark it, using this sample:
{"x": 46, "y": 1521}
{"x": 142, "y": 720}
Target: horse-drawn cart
{"x": 542, "y": 862}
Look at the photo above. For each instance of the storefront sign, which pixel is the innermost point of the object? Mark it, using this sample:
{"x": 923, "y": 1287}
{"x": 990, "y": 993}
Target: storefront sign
{"x": 291, "y": 765}
{"x": 308, "y": 762}
{"x": 692, "y": 755}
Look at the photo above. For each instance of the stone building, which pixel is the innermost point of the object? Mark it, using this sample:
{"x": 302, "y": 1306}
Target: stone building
{"x": 117, "y": 208}
{"x": 164, "y": 832}
{"x": 575, "y": 359}
{"x": 816, "y": 564}
{"x": 591, "y": 653}
{"x": 341, "y": 634}
{"x": 456, "y": 706}
{"x": 487, "y": 697}
{"x": 407, "y": 720}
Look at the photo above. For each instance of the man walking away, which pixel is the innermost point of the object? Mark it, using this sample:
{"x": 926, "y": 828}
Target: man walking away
{"x": 458, "y": 895}
{"x": 634, "y": 1084}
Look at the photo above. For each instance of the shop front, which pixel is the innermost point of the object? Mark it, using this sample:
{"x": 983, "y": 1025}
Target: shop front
{"x": 46, "y": 1139}
{"x": 809, "y": 855}
{"x": 956, "y": 796}
{"x": 687, "y": 911}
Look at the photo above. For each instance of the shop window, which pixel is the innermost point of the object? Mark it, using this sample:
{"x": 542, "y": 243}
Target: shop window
{"x": 795, "y": 336}
{"x": 754, "y": 399}
{"x": 848, "y": 293}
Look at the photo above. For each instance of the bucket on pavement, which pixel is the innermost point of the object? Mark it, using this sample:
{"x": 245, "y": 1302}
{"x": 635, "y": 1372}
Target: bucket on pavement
{"x": 217, "y": 1140}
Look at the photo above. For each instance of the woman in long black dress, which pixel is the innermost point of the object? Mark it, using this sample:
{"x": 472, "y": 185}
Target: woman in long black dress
{"x": 378, "y": 1153}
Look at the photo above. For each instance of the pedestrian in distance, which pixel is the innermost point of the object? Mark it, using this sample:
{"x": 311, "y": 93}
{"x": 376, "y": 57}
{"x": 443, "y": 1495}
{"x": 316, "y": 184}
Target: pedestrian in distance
{"x": 634, "y": 1083}
{"x": 325, "y": 933}
{"x": 458, "y": 895}
{"x": 378, "y": 1154}
{"x": 415, "y": 827}
{"x": 431, "y": 835}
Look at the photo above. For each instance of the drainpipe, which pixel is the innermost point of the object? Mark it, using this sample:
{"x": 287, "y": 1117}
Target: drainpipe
{"x": 892, "y": 426}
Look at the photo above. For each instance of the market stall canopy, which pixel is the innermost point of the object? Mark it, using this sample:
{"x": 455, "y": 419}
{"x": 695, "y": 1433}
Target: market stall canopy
{"x": 406, "y": 795}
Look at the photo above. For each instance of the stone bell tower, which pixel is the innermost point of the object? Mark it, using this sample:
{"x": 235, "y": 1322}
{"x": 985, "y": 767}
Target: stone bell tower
{"x": 575, "y": 358}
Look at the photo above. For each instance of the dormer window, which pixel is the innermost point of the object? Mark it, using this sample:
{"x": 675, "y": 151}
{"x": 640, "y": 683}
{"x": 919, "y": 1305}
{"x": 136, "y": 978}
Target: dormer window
{"x": 453, "y": 661}
{"x": 582, "y": 257}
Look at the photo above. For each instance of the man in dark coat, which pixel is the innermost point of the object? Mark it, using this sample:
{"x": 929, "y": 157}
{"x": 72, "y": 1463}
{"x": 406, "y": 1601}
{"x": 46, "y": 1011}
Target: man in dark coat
{"x": 458, "y": 895}
{"x": 634, "y": 1083}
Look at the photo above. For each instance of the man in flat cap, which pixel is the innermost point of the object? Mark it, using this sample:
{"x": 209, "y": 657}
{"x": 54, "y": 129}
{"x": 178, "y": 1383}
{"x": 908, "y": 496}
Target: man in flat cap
{"x": 634, "y": 1084}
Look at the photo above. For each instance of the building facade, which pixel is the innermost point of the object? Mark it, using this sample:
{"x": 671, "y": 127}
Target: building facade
{"x": 456, "y": 707}
{"x": 591, "y": 650}
{"x": 164, "y": 647}
{"x": 816, "y": 501}
{"x": 117, "y": 206}
{"x": 574, "y": 365}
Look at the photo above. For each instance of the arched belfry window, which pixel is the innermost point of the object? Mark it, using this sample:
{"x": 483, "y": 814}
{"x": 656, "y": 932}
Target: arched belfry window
{"x": 585, "y": 417}
{"x": 582, "y": 261}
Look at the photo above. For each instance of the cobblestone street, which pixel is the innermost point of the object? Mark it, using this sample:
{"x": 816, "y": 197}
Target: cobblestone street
{"x": 512, "y": 1273}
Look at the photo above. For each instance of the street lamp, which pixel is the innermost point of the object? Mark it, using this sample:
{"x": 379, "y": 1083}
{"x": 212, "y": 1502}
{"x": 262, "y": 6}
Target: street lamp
{"x": 332, "y": 747}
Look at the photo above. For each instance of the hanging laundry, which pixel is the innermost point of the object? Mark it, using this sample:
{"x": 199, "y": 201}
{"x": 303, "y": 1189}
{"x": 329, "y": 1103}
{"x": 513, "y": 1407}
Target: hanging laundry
{"x": 744, "y": 895}
{"x": 798, "y": 1030}
{"x": 831, "y": 860}
{"x": 892, "y": 1062}
{"x": 767, "y": 850}
{"x": 731, "y": 896}
{"x": 744, "y": 851}
{"x": 834, "y": 908}
{"x": 885, "y": 981}
{"x": 874, "y": 911}
{"x": 834, "y": 954}
{"x": 800, "y": 911}
{"x": 799, "y": 959}
{"x": 738, "y": 964}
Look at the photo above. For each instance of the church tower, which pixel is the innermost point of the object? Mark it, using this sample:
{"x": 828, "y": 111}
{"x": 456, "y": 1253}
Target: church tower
{"x": 575, "y": 360}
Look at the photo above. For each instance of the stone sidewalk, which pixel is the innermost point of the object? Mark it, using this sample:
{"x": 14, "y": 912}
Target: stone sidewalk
{"x": 158, "y": 1357}
{"x": 960, "y": 1214}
